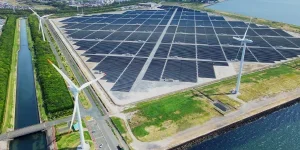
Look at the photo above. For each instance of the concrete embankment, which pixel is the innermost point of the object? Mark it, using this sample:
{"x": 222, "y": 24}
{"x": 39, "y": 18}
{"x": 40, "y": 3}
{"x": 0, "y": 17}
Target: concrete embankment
{"x": 235, "y": 125}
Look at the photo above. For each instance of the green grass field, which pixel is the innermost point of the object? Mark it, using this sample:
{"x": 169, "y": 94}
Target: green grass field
{"x": 269, "y": 82}
{"x": 70, "y": 141}
{"x": 163, "y": 117}
{"x": 9, "y": 117}
{"x": 121, "y": 127}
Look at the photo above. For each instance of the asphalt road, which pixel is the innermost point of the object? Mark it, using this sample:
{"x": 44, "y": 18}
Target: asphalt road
{"x": 108, "y": 139}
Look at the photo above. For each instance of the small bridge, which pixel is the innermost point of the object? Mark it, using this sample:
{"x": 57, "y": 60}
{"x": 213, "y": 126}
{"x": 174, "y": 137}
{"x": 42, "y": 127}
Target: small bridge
{"x": 32, "y": 129}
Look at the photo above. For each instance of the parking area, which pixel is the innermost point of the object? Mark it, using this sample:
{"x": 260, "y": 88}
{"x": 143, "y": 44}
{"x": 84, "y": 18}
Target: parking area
{"x": 97, "y": 135}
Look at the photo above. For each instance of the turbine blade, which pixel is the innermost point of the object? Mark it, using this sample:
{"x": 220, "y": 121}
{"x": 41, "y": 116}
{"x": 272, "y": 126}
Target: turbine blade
{"x": 63, "y": 75}
{"x": 247, "y": 29}
{"x": 89, "y": 83}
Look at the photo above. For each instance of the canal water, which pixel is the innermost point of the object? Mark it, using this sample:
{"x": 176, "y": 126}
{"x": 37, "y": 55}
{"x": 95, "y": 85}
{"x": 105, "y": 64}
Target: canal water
{"x": 281, "y": 129}
{"x": 286, "y": 11}
{"x": 26, "y": 103}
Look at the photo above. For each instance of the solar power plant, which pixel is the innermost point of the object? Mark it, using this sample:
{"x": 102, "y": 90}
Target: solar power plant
{"x": 171, "y": 45}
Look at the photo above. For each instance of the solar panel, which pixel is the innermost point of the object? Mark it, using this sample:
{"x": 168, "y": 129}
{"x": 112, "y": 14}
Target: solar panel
{"x": 221, "y": 24}
{"x": 205, "y": 30}
{"x": 295, "y": 41}
{"x": 152, "y": 22}
{"x": 78, "y": 26}
{"x": 95, "y": 27}
{"x": 121, "y": 21}
{"x": 168, "y": 38}
{"x": 238, "y": 24}
{"x": 225, "y": 31}
{"x": 138, "y": 36}
{"x": 146, "y": 49}
{"x": 121, "y": 44}
{"x": 99, "y": 35}
{"x": 154, "y": 70}
{"x": 129, "y": 28}
{"x": 289, "y": 53}
{"x": 118, "y": 36}
{"x": 198, "y": 18}
{"x": 203, "y": 24}
{"x": 111, "y": 27}
{"x": 112, "y": 67}
{"x": 185, "y": 30}
{"x": 184, "y": 38}
{"x": 216, "y": 18}
{"x": 94, "y": 58}
{"x": 241, "y": 31}
{"x": 207, "y": 39}
{"x": 159, "y": 28}
{"x": 80, "y": 34}
{"x": 146, "y": 28}
{"x": 181, "y": 70}
{"x": 84, "y": 45}
{"x": 154, "y": 37}
{"x": 280, "y": 42}
{"x": 206, "y": 69}
{"x": 127, "y": 48}
{"x": 228, "y": 40}
{"x": 266, "y": 32}
{"x": 103, "y": 47}
{"x": 266, "y": 55}
{"x": 183, "y": 51}
{"x": 128, "y": 78}
{"x": 213, "y": 53}
{"x": 162, "y": 51}
{"x": 234, "y": 53}
{"x": 281, "y": 32}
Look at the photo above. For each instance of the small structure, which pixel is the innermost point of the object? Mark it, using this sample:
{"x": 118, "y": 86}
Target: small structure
{"x": 76, "y": 126}
{"x": 149, "y": 4}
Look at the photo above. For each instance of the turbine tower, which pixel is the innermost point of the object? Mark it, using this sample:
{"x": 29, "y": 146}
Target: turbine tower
{"x": 75, "y": 91}
{"x": 244, "y": 42}
{"x": 40, "y": 22}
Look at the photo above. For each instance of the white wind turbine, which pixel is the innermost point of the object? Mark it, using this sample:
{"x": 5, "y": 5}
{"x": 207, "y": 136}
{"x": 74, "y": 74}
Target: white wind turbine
{"x": 244, "y": 42}
{"x": 40, "y": 22}
{"x": 75, "y": 90}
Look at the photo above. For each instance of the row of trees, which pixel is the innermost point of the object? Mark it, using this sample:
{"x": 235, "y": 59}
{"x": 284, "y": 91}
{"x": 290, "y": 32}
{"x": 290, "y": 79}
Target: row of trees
{"x": 64, "y": 8}
{"x": 6, "y": 48}
{"x": 57, "y": 99}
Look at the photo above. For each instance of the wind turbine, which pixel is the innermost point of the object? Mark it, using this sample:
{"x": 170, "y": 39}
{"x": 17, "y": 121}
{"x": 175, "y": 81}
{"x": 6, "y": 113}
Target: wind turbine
{"x": 40, "y": 22}
{"x": 75, "y": 90}
{"x": 244, "y": 42}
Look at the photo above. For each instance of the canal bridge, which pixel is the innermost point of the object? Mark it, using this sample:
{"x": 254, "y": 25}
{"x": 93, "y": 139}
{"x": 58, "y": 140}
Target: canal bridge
{"x": 32, "y": 129}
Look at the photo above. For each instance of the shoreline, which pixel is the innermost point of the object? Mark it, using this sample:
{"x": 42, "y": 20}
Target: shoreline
{"x": 234, "y": 126}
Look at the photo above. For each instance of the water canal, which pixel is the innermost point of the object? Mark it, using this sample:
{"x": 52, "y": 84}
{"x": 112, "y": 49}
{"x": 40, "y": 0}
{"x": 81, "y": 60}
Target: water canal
{"x": 26, "y": 103}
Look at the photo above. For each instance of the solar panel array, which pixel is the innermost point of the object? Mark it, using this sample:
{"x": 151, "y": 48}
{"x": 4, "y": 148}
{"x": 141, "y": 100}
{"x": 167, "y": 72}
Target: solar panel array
{"x": 180, "y": 44}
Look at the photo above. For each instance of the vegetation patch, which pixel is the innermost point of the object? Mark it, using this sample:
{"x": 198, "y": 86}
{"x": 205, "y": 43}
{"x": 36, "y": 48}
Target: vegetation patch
{"x": 121, "y": 127}
{"x": 71, "y": 140}
{"x": 259, "y": 84}
{"x": 6, "y": 49}
{"x": 8, "y": 122}
{"x": 168, "y": 115}
{"x": 56, "y": 97}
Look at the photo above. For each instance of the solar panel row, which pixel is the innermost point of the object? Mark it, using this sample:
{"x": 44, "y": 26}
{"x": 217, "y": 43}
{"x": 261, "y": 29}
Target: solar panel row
{"x": 194, "y": 43}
